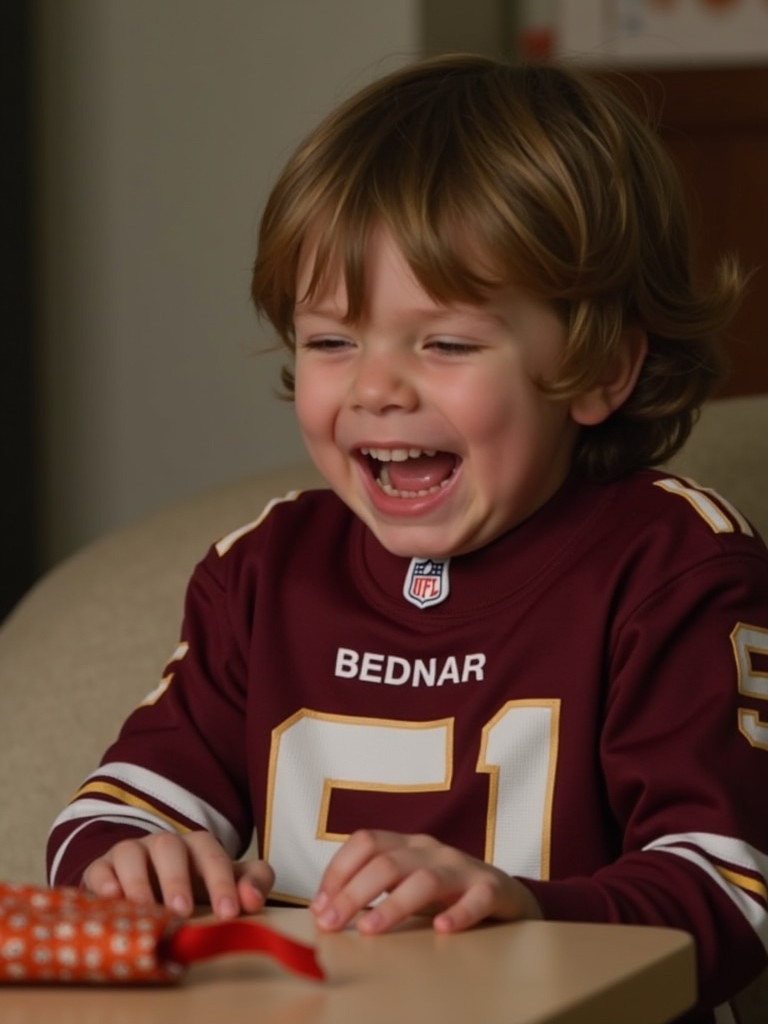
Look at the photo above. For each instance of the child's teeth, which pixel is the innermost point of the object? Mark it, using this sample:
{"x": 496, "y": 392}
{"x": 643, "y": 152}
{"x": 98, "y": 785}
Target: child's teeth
{"x": 397, "y": 454}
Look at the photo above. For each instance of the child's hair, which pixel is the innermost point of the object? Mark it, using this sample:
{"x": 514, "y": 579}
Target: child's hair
{"x": 559, "y": 187}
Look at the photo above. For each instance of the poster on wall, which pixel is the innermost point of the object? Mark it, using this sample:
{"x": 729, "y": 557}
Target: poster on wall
{"x": 663, "y": 31}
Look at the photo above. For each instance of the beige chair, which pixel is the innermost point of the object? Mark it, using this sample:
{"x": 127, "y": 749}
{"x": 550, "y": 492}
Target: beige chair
{"x": 88, "y": 642}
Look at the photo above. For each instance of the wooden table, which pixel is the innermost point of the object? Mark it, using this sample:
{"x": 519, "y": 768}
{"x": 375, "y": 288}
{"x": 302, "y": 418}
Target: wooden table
{"x": 531, "y": 972}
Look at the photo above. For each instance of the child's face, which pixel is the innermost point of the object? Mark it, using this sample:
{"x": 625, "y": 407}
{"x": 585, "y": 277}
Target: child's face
{"x": 425, "y": 418}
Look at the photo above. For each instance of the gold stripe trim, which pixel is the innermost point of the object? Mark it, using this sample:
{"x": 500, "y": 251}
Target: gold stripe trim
{"x": 109, "y": 789}
{"x": 744, "y": 882}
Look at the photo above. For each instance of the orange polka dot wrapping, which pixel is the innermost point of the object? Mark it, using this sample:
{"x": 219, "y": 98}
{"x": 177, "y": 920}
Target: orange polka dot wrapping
{"x": 64, "y": 935}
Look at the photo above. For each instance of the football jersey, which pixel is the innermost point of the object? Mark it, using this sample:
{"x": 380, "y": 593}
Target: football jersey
{"x": 582, "y": 703}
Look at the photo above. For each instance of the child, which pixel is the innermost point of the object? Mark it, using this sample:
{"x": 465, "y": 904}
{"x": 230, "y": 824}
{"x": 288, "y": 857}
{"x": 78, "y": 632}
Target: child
{"x": 502, "y": 669}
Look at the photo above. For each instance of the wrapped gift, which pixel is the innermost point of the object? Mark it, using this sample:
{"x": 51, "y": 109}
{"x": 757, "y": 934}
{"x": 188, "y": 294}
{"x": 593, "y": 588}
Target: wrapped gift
{"x": 65, "y": 935}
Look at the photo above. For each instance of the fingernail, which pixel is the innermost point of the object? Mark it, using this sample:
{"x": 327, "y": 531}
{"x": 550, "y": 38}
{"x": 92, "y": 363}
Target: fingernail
{"x": 320, "y": 901}
{"x": 226, "y": 907}
{"x": 444, "y": 923}
{"x": 180, "y": 905}
{"x": 329, "y": 919}
{"x": 370, "y": 922}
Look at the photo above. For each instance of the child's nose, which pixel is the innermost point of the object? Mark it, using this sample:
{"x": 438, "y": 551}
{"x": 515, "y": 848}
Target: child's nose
{"x": 382, "y": 382}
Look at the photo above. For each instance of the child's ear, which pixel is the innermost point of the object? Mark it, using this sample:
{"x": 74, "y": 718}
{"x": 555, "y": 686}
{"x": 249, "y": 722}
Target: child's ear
{"x": 595, "y": 405}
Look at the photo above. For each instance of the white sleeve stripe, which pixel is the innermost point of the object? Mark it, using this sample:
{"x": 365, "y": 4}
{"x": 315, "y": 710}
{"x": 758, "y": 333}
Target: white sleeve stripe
{"x": 721, "y": 848}
{"x": 101, "y": 810}
{"x": 733, "y": 853}
{"x": 224, "y": 545}
{"x": 733, "y": 511}
{"x": 121, "y": 795}
{"x": 157, "y": 789}
{"x": 751, "y": 910}
{"x": 707, "y": 509}
{"x": 115, "y": 819}
{"x": 694, "y": 493}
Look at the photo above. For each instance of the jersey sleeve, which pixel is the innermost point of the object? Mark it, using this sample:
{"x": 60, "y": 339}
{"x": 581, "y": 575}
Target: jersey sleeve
{"x": 684, "y": 754}
{"x": 178, "y": 763}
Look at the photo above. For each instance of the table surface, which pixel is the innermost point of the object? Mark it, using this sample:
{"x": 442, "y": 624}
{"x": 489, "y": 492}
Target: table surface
{"x": 530, "y": 972}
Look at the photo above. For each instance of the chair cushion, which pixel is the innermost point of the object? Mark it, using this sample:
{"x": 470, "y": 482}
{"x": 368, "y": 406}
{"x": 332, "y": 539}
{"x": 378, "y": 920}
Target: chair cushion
{"x": 88, "y": 642}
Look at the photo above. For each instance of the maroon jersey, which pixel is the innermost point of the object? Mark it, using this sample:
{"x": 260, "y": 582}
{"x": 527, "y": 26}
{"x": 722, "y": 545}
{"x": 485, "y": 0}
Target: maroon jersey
{"x": 581, "y": 703}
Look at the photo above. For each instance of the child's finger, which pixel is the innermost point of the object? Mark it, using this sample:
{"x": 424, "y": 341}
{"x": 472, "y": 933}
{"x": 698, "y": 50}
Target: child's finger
{"x": 217, "y": 872}
{"x": 363, "y": 888}
{"x": 417, "y": 891}
{"x": 350, "y": 858}
{"x": 100, "y": 879}
{"x": 373, "y": 865}
{"x": 255, "y": 879}
{"x": 493, "y": 895}
{"x": 169, "y": 859}
{"x": 131, "y": 864}
{"x": 474, "y": 905}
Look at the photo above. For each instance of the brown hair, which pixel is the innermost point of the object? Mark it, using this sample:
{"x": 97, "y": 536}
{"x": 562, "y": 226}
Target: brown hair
{"x": 563, "y": 189}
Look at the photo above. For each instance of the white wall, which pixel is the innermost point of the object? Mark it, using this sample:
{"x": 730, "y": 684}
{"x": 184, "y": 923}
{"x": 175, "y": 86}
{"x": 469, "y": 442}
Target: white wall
{"x": 162, "y": 125}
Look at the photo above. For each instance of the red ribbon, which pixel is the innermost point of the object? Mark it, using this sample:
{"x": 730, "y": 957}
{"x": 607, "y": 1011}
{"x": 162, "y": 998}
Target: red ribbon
{"x": 191, "y": 943}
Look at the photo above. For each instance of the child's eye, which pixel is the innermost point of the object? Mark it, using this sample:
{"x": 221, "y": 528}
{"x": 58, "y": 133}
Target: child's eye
{"x": 329, "y": 344}
{"x": 453, "y": 346}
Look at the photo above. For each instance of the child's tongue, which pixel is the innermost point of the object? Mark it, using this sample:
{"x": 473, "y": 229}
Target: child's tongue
{"x": 421, "y": 473}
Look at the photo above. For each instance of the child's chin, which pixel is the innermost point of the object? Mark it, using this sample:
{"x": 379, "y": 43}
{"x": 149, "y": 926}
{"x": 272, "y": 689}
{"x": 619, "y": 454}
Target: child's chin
{"x": 414, "y": 546}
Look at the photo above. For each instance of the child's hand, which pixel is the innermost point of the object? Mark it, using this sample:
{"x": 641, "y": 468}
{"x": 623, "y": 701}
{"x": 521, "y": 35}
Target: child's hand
{"x": 418, "y": 875}
{"x": 180, "y": 870}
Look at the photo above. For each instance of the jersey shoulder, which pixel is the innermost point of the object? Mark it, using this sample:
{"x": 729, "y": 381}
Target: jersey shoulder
{"x": 285, "y": 507}
{"x": 291, "y": 535}
{"x": 297, "y": 519}
{"x": 691, "y": 511}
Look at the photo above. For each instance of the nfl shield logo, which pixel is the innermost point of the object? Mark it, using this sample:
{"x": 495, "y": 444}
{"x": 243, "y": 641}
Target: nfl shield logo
{"x": 426, "y": 582}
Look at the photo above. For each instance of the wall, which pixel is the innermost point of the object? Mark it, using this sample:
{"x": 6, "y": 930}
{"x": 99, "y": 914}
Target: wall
{"x": 162, "y": 124}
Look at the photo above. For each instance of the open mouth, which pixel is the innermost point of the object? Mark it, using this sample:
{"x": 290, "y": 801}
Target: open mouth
{"x": 410, "y": 472}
